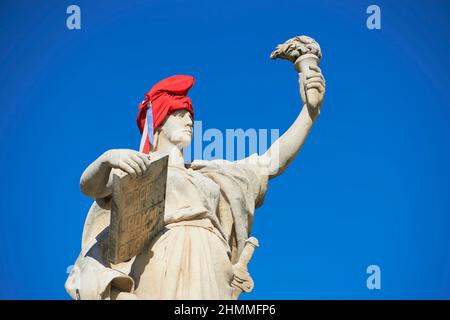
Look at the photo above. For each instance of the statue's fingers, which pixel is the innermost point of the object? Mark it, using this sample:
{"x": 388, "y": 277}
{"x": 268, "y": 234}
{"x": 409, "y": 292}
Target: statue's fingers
{"x": 316, "y": 85}
{"x": 138, "y": 167}
{"x": 313, "y": 84}
{"x": 145, "y": 158}
{"x": 140, "y": 162}
{"x": 314, "y": 75}
{"x": 315, "y": 68}
{"x": 319, "y": 87}
{"x": 315, "y": 79}
{"x": 135, "y": 166}
{"x": 127, "y": 168}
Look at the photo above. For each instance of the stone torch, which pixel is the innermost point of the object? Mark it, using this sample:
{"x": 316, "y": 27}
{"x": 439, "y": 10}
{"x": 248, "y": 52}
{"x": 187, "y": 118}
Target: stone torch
{"x": 303, "y": 51}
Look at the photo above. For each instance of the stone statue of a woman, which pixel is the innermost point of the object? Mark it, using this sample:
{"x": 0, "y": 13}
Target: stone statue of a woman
{"x": 209, "y": 205}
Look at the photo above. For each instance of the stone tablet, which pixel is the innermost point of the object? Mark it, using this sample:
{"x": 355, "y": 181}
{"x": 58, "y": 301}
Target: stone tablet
{"x": 137, "y": 211}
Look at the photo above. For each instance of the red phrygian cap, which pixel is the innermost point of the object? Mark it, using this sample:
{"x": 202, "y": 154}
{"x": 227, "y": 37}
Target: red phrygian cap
{"x": 163, "y": 99}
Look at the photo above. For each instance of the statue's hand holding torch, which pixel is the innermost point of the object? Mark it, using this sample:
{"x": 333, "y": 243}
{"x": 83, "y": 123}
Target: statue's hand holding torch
{"x": 305, "y": 53}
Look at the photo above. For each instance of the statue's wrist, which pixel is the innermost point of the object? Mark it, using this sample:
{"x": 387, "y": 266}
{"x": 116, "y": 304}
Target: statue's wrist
{"x": 314, "y": 113}
{"x": 310, "y": 113}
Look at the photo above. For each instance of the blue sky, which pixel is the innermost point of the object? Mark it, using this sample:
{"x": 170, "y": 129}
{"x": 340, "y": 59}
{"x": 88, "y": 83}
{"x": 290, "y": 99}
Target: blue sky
{"x": 370, "y": 186}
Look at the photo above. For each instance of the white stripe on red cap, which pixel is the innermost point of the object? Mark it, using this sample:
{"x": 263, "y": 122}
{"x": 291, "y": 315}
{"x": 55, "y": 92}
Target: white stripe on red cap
{"x": 147, "y": 134}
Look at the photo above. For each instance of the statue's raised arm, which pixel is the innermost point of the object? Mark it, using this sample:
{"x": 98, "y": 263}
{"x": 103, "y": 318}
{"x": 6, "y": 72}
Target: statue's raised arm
{"x": 305, "y": 53}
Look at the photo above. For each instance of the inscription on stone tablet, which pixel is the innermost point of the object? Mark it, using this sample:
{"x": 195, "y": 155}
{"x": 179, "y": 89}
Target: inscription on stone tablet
{"x": 137, "y": 211}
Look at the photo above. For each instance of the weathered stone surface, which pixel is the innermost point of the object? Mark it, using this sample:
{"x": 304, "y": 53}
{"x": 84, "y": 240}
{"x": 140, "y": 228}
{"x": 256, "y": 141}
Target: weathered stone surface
{"x": 137, "y": 212}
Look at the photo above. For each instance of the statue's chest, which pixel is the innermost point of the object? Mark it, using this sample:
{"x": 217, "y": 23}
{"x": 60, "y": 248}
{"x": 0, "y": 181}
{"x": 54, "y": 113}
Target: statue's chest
{"x": 190, "y": 189}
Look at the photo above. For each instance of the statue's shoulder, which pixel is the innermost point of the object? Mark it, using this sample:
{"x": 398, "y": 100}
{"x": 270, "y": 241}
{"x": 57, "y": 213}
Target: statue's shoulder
{"x": 251, "y": 162}
{"x": 208, "y": 164}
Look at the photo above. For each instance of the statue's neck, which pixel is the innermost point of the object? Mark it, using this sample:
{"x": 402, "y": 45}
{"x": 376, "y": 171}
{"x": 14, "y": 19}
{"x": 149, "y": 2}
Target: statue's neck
{"x": 175, "y": 153}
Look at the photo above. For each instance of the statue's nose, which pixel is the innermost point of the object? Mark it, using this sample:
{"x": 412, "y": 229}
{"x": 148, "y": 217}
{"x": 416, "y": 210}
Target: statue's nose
{"x": 188, "y": 119}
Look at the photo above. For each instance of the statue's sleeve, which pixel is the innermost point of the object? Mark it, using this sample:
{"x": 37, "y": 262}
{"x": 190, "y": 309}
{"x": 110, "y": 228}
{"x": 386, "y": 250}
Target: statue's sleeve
{"x": 256, "y": 176}
{"x": 92, "y": 277}
{"x": 89, "y": 279}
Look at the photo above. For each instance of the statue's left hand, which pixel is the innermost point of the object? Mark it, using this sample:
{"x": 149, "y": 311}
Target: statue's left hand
{"x": 309, "y": 80}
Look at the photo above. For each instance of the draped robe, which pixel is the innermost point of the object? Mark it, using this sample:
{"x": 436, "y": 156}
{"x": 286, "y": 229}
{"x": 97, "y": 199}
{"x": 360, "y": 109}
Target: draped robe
{"x": 192, "y": 257}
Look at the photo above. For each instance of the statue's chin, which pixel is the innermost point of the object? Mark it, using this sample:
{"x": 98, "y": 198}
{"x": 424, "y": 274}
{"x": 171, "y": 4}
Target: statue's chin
{"x": 181, "y": 139}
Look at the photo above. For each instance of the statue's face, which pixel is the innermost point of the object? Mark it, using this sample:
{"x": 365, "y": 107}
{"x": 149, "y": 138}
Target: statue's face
{"x": 178, "y": 128}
